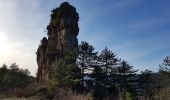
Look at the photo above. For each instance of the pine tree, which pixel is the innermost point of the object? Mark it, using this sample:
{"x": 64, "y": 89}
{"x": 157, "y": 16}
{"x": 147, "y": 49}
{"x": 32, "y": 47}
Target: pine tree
{"x": 85, "y": 60}
{"x": 66, "y": 74}
{"x": 164, "y": 73}
{"x": 165, "y": 67}
{"x": 98, "y": 77}
{"x": 125, "y": 73}
{"x": 108, "y": 63}
{"x": 147, "y": 84}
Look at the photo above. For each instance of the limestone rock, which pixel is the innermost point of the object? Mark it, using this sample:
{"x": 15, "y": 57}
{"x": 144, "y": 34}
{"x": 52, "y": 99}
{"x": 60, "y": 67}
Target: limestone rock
{"x": 41, "y": 61}
{"x": 62, "y": 34}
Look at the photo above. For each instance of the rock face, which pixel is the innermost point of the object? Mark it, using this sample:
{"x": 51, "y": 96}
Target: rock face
{"x": 62, "y": 34}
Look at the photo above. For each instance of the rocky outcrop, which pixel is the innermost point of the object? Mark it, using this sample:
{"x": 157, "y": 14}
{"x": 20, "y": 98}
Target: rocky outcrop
{"x": 42, "y": 61}
{"x": 62, "y": 34}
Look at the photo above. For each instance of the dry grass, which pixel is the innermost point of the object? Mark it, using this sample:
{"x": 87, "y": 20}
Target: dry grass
{"x": 16, "y": 93}
{"x": 69, "y": 95}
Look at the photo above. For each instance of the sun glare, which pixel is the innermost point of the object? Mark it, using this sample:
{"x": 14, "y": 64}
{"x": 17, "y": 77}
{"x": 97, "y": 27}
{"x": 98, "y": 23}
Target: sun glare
{"x": 5, "y": 48}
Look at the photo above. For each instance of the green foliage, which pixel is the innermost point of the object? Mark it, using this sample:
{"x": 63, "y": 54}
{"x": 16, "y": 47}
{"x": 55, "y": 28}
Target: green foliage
{"x": 13, "y": 77}
{"x": 109, "y": 75}
{"x": 52, "y": 84}
{"x": 162, "y": 93}
{"x": 85, "y": 60}
{"x": 164, "y": 69}
{"x": 66, "y": 74}
{"x": 125, "y": 73}
{"x": 127, "y": 96}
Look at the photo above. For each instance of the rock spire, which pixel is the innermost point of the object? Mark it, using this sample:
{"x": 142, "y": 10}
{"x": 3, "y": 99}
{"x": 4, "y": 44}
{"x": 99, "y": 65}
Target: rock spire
{"x": 62, "y": 34}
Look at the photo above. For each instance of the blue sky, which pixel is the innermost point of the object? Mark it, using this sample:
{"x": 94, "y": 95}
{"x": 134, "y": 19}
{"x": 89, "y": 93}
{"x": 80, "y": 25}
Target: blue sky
{"x": 136, "y": 30}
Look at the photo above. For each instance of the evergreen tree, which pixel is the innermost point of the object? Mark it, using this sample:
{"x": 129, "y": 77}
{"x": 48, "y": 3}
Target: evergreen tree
{"x": 108, "y": 63}
{"x": 147, "y": 84}
{"x": 98, "y": 76}
{"x": 165, "y": 67}
{"x": 125, "y": 73}
{"x": 85, "y": 60}
{"x": 14, "y": 67}
{"x": 4, "y": 68}
{"x": 164, "y": 73}
{"x": 66, "y": 74}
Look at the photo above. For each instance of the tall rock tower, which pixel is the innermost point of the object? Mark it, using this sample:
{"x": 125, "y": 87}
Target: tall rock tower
{"x": 62, "y": 34}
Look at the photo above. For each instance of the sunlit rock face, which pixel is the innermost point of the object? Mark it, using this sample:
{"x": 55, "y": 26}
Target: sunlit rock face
{"x": 62, "y": 34}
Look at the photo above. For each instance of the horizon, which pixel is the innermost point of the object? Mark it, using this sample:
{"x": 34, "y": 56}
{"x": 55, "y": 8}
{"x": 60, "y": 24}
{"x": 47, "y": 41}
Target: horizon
{"x": 137, "y": 31}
